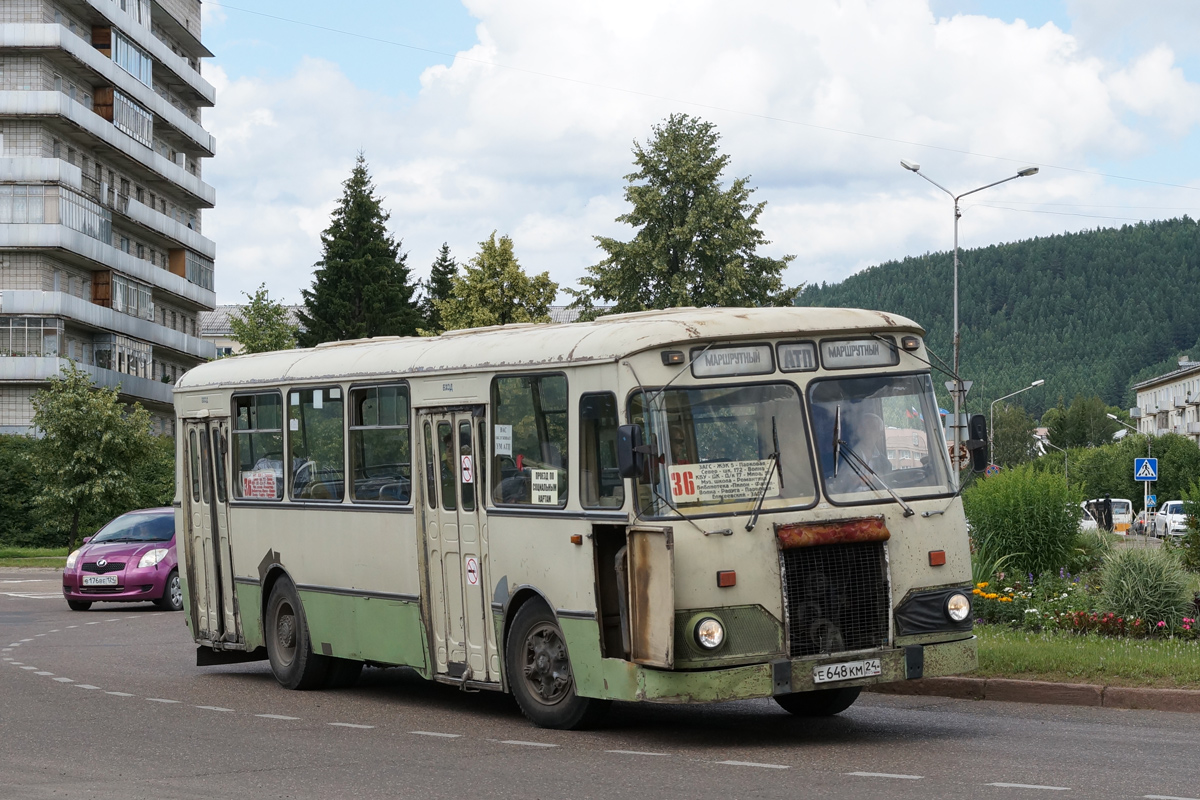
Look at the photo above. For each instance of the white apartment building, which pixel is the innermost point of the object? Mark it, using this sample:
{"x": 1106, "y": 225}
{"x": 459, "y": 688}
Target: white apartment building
{"x": 102, "y": 256}
{"x": 1170, "y": 403}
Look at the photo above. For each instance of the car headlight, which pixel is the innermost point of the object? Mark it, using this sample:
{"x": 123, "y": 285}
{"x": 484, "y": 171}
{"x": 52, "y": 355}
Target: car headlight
{"x": 153, "y": 557}
{"x": 710, "y": 633}
{"x": 71, "y": 559}
{"x": 958, "y": 607}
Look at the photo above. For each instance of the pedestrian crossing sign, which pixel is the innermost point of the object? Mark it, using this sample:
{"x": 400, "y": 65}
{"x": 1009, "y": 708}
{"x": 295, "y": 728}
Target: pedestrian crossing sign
{"x": 1145, "y": 469}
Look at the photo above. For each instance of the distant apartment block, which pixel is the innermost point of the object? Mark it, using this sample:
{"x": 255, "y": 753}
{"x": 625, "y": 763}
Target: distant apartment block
{"x": 102, "y": 257}
{"x": 1170, "y": 403}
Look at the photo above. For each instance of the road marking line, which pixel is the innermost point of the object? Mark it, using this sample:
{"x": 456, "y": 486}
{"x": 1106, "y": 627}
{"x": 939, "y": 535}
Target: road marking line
{"x": 85, "y": 686}
{"x": 1165, "y": 797}
{"x": 215, "y": 708}
{"x": 28, "y": 667}
{"x": 119, "y": 694}
{"x": 72, "y": 626}
{"x": 527, "y": 744}
{"x": 43, "y": 673}
{"x": 1031, "y": 786}
{"x": 24, "y": 640}
{"x": 274, "y": 716}
{"x": 635, "y": 753}
{"x": 54, "y": 631}
{"x": 441, "y": 735}
{"x": 886, "y": 775}
{"x": 160, "y": 700}
{"x": 8, "y": 658}
{"x": 753, "y": 764}
{"x": 64, "y": 680}
{"x": 97, "y": 622}
{"x": 16, "y": 663}
{"x": 118, "y": 619}
{"x": 38, "y": 634}
{"x": 350, "y": 725}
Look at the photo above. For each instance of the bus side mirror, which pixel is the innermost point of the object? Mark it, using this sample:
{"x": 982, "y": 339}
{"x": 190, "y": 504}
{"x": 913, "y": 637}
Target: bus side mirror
{"x": 977, "y": 444}
{"x": 630, "y": 458}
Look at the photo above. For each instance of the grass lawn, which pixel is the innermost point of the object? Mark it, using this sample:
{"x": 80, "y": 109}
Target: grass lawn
{"x": 33, "y": 557}
{"x": 1074, "y": 658}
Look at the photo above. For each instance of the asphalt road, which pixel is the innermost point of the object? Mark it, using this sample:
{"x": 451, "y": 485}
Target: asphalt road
{"x": 107, "y": 704}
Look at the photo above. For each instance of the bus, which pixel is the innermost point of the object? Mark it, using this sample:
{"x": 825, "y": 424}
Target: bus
{"x": 679, "y": 506}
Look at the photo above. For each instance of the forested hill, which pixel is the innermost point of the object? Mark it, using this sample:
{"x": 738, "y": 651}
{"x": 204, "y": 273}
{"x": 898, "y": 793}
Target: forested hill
{"x": 1089, "y": 312}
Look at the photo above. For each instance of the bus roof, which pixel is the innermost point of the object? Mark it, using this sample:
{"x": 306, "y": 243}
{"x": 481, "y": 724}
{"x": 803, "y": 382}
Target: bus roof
{"x": 534, "y": 345}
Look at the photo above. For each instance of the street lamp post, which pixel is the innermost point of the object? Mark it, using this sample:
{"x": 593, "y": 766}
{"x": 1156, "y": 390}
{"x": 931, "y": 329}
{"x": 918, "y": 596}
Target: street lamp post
{"x": 1145, "y": 484}
{"x": 992, "y": 411}
{"x": 1066, "y": 478}
{"x": 956, "y": 424}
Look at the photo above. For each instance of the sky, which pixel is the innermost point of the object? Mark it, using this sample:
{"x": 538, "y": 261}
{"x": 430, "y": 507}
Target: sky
{"x": 519, "y": 116}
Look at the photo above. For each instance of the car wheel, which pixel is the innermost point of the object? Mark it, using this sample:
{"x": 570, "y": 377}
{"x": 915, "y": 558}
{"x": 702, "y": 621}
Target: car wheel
{"x": 289, "y": 648}
{"x": 172, "y": 599}
{"x": 821, "y": 703}
{"x": 539, "y": 673}
{"x": 79, "y": 605}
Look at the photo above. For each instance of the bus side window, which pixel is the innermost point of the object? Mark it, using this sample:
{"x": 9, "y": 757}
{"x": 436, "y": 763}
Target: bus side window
{"x": 381, "y": 468}
{"x": 258, "y": 446}
{"x": 530, "y": 440}
{"x": 600, "y": 484}
{"x": 430, "y": 468}
{"x": 316, "y": 469}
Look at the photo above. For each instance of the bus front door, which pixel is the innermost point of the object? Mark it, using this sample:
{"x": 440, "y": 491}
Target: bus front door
{"x": 209, "y": 562}
{"x": 456, "y": 547}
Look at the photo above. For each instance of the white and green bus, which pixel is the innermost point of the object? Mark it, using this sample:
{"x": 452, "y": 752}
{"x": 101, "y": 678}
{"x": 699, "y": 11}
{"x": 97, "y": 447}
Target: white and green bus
{"x": 688, "y": 505}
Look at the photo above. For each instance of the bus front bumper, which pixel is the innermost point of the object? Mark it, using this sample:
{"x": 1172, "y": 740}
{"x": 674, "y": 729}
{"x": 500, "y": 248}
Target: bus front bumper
{"x": 623, "y": 680}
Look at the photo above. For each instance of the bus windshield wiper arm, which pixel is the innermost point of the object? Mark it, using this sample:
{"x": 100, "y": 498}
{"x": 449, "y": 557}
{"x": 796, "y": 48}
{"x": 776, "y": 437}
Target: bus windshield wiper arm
{"x": 858, "y": 464}
{"x": 762, "y": 495}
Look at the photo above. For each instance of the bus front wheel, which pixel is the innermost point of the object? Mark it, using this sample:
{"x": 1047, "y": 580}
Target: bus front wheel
{"x": 821, "y": 703}
{"x": 289, "y": 647}
{"x": 539, "y": 673}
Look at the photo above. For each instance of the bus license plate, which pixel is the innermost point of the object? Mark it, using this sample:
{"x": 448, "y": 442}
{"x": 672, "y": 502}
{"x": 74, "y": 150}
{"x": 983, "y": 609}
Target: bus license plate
{"x": 99, "y": 580}
{"x": 847, "y": 670}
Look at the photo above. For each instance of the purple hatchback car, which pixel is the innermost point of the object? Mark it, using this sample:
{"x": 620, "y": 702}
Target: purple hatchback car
{"x": 131, "y": 560}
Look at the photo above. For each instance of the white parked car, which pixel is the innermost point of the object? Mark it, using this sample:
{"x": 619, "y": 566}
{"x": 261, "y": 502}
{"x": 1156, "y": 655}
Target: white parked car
{"x": 1170, "y": 520}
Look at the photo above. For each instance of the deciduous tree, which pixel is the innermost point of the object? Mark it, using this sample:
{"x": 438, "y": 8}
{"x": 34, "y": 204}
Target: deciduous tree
{"x": 696, "y": 242}
{"x": 494, "y": 290}
{"x": 263, "y": 324}
{"x": 1013, "y": 436}
{"x": 361, "y": 285}
{"x": 90, "y": 449}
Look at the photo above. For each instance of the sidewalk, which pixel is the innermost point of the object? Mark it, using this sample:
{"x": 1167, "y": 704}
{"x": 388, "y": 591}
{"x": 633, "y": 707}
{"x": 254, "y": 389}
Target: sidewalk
{"x": 1065, "y": 694}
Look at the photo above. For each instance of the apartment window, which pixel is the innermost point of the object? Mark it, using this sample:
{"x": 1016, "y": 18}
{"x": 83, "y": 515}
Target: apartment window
{"x": 30, "y": 336}
{"x": 123, "y": 354}
{"x": 174, "y": 323}
{"x": 132, "y": 297}
{"x": 141, "y": 251}
{"x": 130, "y": 117}
{"x": 198, "y": 269}
{"x": 133, "y": 59}
{"x": 58, "y": 83}
{"x": 57, "y": 149}
{"x": 125, "y": 244}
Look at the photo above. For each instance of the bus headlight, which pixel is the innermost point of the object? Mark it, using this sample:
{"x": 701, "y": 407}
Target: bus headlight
{"x": 958, "y": 607}
{"x": 710, "y": 633}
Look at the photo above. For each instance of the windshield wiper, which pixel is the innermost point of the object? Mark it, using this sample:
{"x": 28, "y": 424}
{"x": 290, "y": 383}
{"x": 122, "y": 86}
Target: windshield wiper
{"x": 762, "y": 495}
{"x": 858, "y": 464}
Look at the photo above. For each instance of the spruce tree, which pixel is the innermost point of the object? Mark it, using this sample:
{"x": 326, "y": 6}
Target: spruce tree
{"x": 439, "y": 288}
{"x": 361, "y": 285}
{"x": 696, "y": 243}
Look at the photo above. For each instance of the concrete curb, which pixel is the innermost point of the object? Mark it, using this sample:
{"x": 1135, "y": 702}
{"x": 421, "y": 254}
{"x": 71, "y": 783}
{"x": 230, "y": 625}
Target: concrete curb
{"x": 1065, "y": 694}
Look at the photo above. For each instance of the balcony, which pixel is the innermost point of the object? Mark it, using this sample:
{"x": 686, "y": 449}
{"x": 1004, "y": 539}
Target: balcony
{"x": 88, "y": 314}
{"x": 1135, "y": 412}
{"x": 41, "y": 369}
{"x": 57, "y": 37}
{"x": 148, "y": 218}
{"x": 58, "y": 105}
{"x": 1180, "y": 402}
{"x": 1193, "y": 428}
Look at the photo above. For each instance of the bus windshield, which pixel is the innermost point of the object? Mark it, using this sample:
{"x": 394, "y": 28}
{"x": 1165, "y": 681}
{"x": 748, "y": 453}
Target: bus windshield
{"x": 888, "y": 436}
{"x": 719, "y": 449}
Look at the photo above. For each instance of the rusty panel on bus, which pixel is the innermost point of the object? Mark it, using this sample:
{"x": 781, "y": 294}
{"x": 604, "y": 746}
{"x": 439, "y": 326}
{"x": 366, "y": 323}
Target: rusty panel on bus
{"x": 652, "y": 596}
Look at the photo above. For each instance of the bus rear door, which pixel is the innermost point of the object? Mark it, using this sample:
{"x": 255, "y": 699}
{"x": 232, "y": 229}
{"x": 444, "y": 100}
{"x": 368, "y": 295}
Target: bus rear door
{"x": 209, "y": 561}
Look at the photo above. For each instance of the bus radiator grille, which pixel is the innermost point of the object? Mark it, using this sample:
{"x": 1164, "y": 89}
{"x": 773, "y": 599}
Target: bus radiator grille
{"x": 837, "y": 598}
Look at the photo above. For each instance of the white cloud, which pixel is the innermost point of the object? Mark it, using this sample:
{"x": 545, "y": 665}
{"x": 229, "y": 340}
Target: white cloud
{"x": 483, "y": 147}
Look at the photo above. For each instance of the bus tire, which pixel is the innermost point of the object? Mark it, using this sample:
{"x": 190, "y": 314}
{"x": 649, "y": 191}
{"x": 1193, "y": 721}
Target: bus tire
{"x": 819, "y": 703}
{"x": 539, "y": 673}
{"x": 289, "y": 647}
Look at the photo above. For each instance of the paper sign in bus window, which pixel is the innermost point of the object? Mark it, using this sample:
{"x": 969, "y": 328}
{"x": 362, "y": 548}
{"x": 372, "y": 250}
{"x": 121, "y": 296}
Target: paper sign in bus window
{"x": 722, "y": 480}
{"x": 544, "y": 483}
{"x": 503, "y": 440}
{"x": 259, "y": 483}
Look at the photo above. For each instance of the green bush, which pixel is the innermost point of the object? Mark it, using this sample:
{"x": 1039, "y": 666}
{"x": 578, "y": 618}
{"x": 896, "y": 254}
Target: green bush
{"x": 1027, "y": 515}
{"x": 1089, "y": 550}
{"x": 18, "y": 525}
{"x": 1189, "y": 543}
{"x": 1147, "y": 584}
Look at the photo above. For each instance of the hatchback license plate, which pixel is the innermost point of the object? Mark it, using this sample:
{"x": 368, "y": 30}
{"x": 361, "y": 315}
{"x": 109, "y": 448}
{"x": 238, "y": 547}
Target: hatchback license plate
{"x": 847, "y": 670}
{"x": 99, "y": 580}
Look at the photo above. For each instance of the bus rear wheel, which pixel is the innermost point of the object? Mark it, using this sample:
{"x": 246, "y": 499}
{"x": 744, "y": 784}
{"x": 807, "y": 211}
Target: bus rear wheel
{"x": 539, "y": 673}
{"x": 821, "y": 703}
{"x": 289, "y": 647}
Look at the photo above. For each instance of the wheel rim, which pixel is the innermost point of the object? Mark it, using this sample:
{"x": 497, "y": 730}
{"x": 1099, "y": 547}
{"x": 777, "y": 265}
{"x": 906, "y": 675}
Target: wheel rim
{"x": 546, "y": 669}
{"x": 176, "y": 590}
{"x": 285, "y": 633}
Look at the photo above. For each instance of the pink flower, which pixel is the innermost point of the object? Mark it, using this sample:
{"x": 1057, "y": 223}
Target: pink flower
{"x": 1162, "y": 624}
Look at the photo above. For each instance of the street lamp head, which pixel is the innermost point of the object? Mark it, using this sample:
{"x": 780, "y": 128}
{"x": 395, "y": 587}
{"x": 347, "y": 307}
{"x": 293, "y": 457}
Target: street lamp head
{"x": 1025, "y": 173}
{"x": 913, "y": 166}
{"x": 1113, "y": 416}
{"x": 1038, "y": 382}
